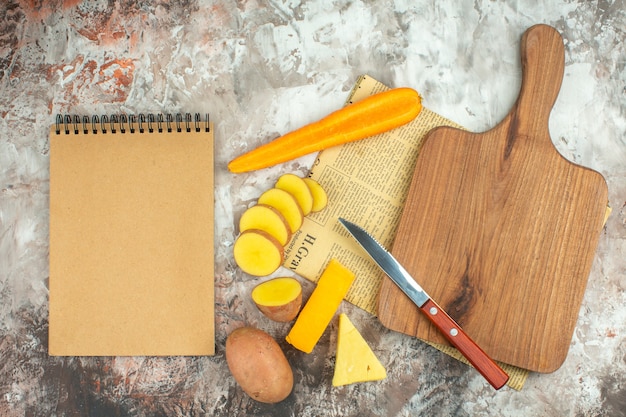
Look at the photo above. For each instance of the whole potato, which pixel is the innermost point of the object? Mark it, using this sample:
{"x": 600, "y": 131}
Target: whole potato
{"x": 258, "y": 365}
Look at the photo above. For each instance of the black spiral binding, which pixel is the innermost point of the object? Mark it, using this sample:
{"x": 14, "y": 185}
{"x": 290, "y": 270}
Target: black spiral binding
{"x": 132, "y": 123}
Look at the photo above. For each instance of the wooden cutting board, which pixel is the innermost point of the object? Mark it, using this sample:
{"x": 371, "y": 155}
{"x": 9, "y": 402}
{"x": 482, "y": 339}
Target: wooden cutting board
{"x": 500, "y": 229}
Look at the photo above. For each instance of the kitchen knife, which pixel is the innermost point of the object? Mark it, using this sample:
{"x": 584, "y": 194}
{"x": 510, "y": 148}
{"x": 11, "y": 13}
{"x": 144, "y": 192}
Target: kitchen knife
{"x": 450, "y": 329}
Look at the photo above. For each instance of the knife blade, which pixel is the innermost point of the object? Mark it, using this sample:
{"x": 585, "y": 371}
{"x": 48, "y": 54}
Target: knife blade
{"x": 448, "y": 327}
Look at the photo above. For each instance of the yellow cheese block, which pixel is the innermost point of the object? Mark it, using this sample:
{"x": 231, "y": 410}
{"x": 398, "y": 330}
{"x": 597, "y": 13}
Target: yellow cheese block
{"x": 355, "y": 360}
{"x": 331, "y": 288}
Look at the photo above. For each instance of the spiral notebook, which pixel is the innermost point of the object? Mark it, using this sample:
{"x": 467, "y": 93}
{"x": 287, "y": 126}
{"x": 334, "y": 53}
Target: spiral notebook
{"x": 131, "y": 236}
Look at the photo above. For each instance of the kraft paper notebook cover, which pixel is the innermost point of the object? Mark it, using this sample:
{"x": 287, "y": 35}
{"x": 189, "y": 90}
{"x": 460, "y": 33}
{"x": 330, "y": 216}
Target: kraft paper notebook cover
{"x": 131, "y": 236}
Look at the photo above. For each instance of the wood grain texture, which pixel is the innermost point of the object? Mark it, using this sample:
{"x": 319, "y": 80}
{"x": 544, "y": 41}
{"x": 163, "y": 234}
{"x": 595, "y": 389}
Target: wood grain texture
{"x": 500, "y": 229}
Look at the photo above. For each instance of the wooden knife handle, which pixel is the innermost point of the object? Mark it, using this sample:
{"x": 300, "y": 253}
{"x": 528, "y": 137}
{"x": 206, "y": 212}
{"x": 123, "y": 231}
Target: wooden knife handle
{"x": 459, "y": 339}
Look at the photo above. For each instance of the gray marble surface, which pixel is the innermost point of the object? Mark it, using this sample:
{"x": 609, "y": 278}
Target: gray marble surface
{"x": 262, "y": 68}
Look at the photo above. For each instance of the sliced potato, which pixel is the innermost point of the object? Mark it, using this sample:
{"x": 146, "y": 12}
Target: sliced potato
{"x": 286, "y": 204}
{"x": 320, "y": 198}
{"x": 296, "y": 186}
{"x": 268, "y": 219}
{"x": 279, "y": 299}
{"x": 258, "y": 253}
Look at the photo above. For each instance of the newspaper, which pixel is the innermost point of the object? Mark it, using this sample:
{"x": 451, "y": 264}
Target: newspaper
{"x": 367, "y": 182}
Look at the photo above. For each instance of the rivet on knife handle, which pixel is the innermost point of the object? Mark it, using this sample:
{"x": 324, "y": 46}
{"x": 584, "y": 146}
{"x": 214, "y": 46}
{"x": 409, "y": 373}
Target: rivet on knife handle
{"x": 450, "y": 329}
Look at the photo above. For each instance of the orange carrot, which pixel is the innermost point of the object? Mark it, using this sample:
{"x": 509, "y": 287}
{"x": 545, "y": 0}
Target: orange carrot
{"x": 368, "y": 117}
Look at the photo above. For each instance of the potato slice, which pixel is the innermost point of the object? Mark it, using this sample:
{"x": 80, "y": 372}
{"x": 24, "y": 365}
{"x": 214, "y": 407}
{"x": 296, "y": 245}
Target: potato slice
{"x": 258, "y": 253}
{"x": 284, "y": 202}
{"x": 279, "y": 299}
{"x": 296, "y": 186}
{"x": 268, "y": 219}
{"x": 320, "y": 198}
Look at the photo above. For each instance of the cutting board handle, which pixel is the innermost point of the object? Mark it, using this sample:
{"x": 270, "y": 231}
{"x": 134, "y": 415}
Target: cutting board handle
{"x": 542, "y": 55}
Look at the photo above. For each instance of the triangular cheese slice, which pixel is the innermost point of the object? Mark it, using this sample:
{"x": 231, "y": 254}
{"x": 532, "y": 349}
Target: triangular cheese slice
{"x": 355, "y": 360}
